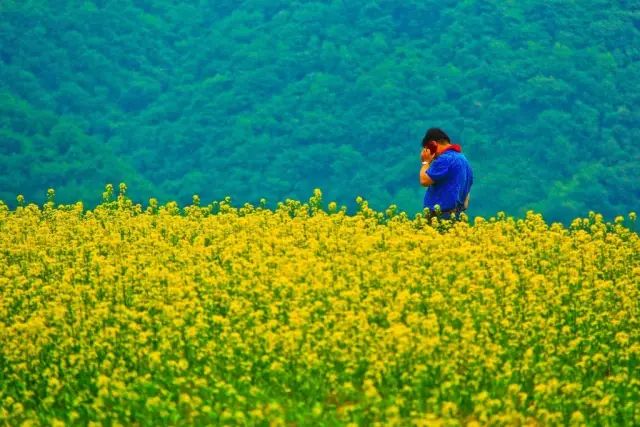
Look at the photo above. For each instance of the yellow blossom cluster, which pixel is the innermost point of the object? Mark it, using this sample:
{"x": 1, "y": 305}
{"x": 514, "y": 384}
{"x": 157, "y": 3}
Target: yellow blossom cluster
{"x": 225, "y": 315}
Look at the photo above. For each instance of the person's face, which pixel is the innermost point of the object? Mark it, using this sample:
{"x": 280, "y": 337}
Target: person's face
{"x": 431, "y": 145}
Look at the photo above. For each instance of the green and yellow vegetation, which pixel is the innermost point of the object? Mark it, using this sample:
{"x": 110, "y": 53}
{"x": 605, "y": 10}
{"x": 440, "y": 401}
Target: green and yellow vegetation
{"x": 304, "y": 315}
{"x": 273, "y": 98}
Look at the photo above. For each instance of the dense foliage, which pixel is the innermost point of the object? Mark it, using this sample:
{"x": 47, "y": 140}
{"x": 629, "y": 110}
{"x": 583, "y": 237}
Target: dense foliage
{"x": 304, "y": 316}
{"x": 273, "y": 98}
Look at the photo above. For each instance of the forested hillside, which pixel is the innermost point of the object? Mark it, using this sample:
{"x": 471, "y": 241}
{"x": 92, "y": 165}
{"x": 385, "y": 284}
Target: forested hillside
{"x": 273, "y": 98}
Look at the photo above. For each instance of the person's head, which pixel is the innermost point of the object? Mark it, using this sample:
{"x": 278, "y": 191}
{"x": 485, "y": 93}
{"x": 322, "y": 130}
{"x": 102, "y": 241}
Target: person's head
{"x": 438, "y": 136}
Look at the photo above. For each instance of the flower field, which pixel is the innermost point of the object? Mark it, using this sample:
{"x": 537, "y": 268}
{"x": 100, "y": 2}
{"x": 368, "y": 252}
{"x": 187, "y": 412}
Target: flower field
{"x": 301, "y": 315}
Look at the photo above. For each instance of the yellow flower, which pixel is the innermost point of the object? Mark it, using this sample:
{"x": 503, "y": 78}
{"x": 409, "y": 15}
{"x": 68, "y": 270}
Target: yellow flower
{"x": 217, "y": 314}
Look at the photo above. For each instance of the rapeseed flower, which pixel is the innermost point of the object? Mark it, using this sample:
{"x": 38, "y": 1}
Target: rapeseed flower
{"x": 220, "y": 314}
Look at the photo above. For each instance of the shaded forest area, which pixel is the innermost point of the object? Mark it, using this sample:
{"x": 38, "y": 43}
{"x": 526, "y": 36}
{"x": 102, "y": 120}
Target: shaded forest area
{"x": 273, "y": 98}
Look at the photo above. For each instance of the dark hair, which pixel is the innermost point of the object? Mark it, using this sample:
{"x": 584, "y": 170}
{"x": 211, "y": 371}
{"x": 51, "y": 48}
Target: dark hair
{"x": 435, "y": 134}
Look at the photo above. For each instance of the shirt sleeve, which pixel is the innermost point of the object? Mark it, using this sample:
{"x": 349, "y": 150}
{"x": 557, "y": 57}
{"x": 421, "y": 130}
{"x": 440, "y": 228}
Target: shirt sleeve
{"x": 439, "y": 169}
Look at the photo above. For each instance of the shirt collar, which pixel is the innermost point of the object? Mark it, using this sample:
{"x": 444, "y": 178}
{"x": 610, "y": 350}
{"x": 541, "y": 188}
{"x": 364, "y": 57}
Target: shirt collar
{"x": 453, "y": 147}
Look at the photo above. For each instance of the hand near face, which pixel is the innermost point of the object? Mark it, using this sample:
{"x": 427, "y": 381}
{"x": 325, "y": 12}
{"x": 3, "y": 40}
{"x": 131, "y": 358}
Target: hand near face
{"x": 426, "y": 156}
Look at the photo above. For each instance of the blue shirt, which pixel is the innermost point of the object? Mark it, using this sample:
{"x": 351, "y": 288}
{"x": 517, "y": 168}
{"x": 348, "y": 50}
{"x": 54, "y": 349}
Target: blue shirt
{"x": 452, "y": 177}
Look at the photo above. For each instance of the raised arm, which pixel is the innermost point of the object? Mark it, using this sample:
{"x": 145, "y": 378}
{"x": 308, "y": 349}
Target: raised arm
{"x": 425, "y": 179}
{"x": 426, "y": 157}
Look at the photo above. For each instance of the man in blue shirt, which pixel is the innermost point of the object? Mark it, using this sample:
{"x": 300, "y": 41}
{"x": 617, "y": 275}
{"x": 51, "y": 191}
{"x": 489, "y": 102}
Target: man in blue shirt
{"x": 447, "y": 174}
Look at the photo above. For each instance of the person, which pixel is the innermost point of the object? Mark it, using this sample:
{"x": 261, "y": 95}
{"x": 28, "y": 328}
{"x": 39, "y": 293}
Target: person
{"x": 446, "y": 173}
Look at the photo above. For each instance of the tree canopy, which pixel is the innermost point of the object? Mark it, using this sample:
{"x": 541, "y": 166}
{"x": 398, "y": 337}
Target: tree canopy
{"x": 271, "y": 99}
